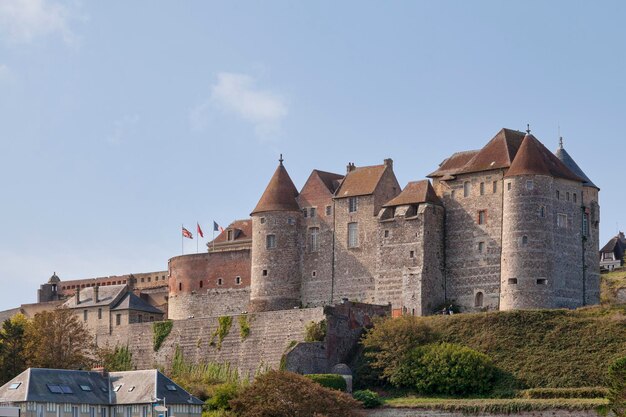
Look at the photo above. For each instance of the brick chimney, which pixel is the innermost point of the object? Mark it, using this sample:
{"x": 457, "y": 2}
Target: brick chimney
{"x": 101, "y": 370}
{"x": 95, "y": 293}
{"x": 350, "y": 167}
{"x": 77, "y": 296}
{"x": 388, "y": 162}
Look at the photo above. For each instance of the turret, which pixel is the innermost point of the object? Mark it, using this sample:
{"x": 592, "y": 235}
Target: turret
{"x": 276, "y": 243}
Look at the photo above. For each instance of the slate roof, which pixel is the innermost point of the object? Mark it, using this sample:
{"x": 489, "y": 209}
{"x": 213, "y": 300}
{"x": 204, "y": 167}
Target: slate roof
{"x": 360, "y": 181}
{"x": 242, "y": 228}
{"x": 569, "y": 162}
{"x": 148, "y": 385}
{"x": 535, "y": 159}
{"x": 451, "y": 165}
{"x": 107, "y": 295}
{"x": 280, "y": 194}
{"x": 132, "y": 302}
{"x": 414, "y": 193}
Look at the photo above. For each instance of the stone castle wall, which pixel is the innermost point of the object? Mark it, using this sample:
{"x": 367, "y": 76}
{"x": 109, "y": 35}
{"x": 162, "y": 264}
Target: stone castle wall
{"x": 591, "y": 209}
{"x": 270, "y": 335}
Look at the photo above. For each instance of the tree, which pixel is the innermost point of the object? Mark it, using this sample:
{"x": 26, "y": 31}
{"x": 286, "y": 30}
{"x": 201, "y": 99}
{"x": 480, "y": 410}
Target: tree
{"x": 281, "y": 393}
{"x": 12, "y": 343}
{"x": 58, "y": 339}
{"x": 392, "y": 338}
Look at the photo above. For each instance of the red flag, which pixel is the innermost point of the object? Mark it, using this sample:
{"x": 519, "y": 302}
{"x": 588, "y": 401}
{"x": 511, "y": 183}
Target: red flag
{"x": 187, "y": 234}
{"x": 200, "y": 230}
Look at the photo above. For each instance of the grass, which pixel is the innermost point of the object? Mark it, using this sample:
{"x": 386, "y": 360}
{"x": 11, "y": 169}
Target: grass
{"x": 610, "y": 282}
{"x": 488, "y": 405}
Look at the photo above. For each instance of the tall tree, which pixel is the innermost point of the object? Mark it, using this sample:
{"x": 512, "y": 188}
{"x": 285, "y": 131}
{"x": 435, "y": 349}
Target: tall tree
{"x": 12, "y": 344}
{"x": 59, "y": 339}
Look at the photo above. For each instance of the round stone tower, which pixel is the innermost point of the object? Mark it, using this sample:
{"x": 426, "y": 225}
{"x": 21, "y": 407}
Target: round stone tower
{"x": 540, "y": 265}
{"x": 276, "y": 246}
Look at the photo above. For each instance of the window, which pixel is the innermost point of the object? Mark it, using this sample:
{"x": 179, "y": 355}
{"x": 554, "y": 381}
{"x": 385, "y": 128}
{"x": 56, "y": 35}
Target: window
{"x": 452, "y": 194}
{"x": 305, "y": 212}
{"x": 313, "y": 239}
{"x": 558, "y": 195}
{"x": 481, "y": 247}
{"x": 530, "y": 184}
{"x": 84, "y": 315}
{"x": 15, "y": 385}
{"x": 264, "y": 273}
{"x": 201, "y": 284}
{"x": 467, "y": 188}
{"x": 495, "y": 187}
{"x": 567, "y": 196}
{"x": 542, "y": 281}
{"x": 329, "y": 210}
{"x": 524, "y": 240}
{"x": 574, "y": 197}
{"x": 352, "y": 204}
{"x": 262, "y": 220}
{"x": 478, "y": 299}
{"x": 386, "y": 233}
{"x": 412, "y": 254}
{"x": 171, "y": 387}
{"x": 508, "y": 186}
{"x": 140, "y": 319}
{"x": 142, "y": 279}
{"x": 585, "y": 224}
{"x": 55, "y": 389}
{"x": 66, "y": 389}
{"x": 313, "y": 212}
{"x": 353, "y": 235}
{"x": 291, "y": 221}
{"x": 482, "y": 217}
{"x": 238, "y": 280}
{"x": 220, "y": 281}
{"x": 129, "y": 411}
{"x": 512, "y": 281}
{"x": 131, "y": 389}
{"x": 149, "y": 279}
{"x": 561, "y": 220}
{"x": 180, "y": 286}
{"x": 482, "y": 188}
{"x": 313, "y": 274}
{"x": 118, "y": 319}
{"x": 229, "y": 235}
{"x": 270, "y": 241}
{"x": 542, "y": 211}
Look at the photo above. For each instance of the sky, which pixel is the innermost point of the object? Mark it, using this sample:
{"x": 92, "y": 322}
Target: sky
{"x": 121, "y": 121}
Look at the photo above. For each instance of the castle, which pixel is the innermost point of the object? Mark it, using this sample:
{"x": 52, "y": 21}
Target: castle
{"x": 507, "y": 226}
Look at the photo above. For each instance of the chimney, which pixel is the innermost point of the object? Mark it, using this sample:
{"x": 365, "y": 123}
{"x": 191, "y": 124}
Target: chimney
{"x": 95, "y": 293}
{"x": 388, "y": 162}
{"x": 350, "y": 167}
{"x": 101, "y": 370}
{"x": 77, "y": 296}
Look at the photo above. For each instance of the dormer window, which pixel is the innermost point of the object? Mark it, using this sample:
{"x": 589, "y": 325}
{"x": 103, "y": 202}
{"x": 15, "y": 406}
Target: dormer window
{"x": 230, "y": 234}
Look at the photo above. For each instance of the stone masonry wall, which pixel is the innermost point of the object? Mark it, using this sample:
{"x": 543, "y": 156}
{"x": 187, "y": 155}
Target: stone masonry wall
{"x": 208, "y": 303}
{"x": 270, "y": 335}
{"x": 592, "y": 246}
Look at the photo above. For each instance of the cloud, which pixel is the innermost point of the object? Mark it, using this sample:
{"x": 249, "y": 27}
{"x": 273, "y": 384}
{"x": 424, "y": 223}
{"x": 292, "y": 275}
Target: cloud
{"x": 122, "y": 128}
{"x": 237, "y": 94}
{"x": 21, "y": 21}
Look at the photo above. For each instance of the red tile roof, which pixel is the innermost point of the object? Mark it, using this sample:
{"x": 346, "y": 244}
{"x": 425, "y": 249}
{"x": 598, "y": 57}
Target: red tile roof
{"x": 361, "y": 181}
{"x": 330, "y": 180}
{"x": 535, "y": 159}
{"x": 452, "y": 164}
{"x": 280, "y": 194}
{"x": 498, "y": 153}
{"x": 415, "y": 192}
{"x": 242, "y": 228}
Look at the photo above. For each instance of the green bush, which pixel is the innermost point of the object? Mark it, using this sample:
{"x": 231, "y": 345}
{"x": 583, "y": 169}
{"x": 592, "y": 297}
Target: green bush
{"x": 332, "y": 381}
{"x": 369, "y": 398}
{"x": 224, "y": 324}
{"x": 589, "y": 392}
{"x": 221, "y": 395}
{"x": 445, "y": 369}
{"x": 244, "y": 326}
{"x": 160, "y": 330}
{"x": 617, "y": 387}
{"x": 315, "y": 332}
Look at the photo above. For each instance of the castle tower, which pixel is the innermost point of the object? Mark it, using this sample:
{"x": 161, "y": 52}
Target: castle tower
{"x": 541, "y": 264}
{"x": 590, "y": 210}
{"x": 276, "y": 246}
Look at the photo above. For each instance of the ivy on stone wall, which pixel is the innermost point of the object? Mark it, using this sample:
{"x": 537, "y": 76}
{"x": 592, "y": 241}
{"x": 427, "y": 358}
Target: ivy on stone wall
{"x": 224, "y": 324}
{"x": 283, "y": 359}
{"x": 244, "y": 326}
{"x": 160, "y": 330}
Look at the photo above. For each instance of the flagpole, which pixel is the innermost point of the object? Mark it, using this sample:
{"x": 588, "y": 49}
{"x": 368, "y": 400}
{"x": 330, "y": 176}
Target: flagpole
{"x": 198, "y": 237}
{"x": 182, "y": 244}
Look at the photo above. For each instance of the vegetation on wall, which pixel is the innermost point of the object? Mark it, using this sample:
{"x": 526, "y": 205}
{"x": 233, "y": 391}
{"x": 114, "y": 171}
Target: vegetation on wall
{"x": 610, "y": 284}
{"x": 115, "y": 360}
{"x": 160, "y": 330}
{"x": 315, "y": 331}
{"x": 244, "y": 326}
{"x": 617, "y": 387}
{"x": 224, "y": 323}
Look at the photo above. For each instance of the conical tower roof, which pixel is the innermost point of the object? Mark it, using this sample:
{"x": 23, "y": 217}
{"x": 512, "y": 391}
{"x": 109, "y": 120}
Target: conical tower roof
{"x": 569, "y": 162}
{"x": 280, "y": 194}
{"x": 535, "y": 159}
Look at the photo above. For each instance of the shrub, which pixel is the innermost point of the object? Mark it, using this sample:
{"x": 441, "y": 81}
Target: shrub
{"x": 617, "y": 387}
{"x": 280, "y": 393}
{"x": 332, "y": 381}
{"x": 391, "y": 338}
{"x": 315, "y": 332}
{"x": 221, "y": 395}
{"x": 160, "y": 330}
{"x": 118, "y": 359}
{"x": 369, "y": 398}
{"x": 445, "y": 369}
{"x": 244, "y": 326}
{"x": 590, "y": 392}
{"x": 224, "y": 324}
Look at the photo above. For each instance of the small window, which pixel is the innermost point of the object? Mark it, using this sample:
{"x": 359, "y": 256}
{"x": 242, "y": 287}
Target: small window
{"x": 542, "y": 211}
{"x": 313, "y": 274}
{"x": 15, "y": 385}
{"x": 220, "y": 281}
{"x": 131, "y": 389}
{"x": 291, "y": 221}
{"x": 264, "y": 273}
{"x": 561, "y": 220}
{"x": 481, "y": 247}
{"x": 567, "y": 196}
{"x": 66, "y": 389}
{"x": 353, "y": 235}
{"x": 118, "y": 319}
{"x": 140, "y": 319}
{"x": 229, "y": 235}
{"x": 524, "y": 240}
{"x": 558, "y": 195}
{"x": 238, "y": 280}
{"x": 508, "y": 186}
{"x": 574, "y": 196}
{"x": 478, "y": 299}
{"x": 149, "y": 279}
{"x": 313, "y": 212}
{"x": 352, "y": 204}
{"x": 180, "y": 286}
{"x": 84, "y": 315}
{"x": 482, "y": 217}
{"x": 542, "y": 281}
{"x": 142, "y": 279}
{"x": 117, "y": 388}
{"x": 512, "y": 281}
{"x": 530, "y": 184}
{"x": 482, "y": 188}
{"x": 201, "y": 284}
{"x": 467, "y": 188}
{"x": 270, "y": 241}
{"x": 55, "y": 389}
{"x": 495, "y": 187}
{"x": 171, "y": 387}
{"x": 452, "y": 194}
{"x": 86, "y": 388}
{"x": 412, "y": 254}
{"x": 329, "y": 210}
{"x": 585, "y": 224}
{"x": 262, "y": 220}
{"x": 99, "y": 314}
{"x": 305, "y": 212}
{"x": 314, "y": 239}
{"x": 386, "y": 233}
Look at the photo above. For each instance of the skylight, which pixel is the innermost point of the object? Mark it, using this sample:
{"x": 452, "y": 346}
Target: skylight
{"x": 66, "y": 389}
{"x": 131, "y": 389}
{"x": 104, "y": 389}
{"x": 171, "y": 387}
{"x": 117, "y": 388}
{"x": 15, "y": 385}
{"x": 55, "y": 389}
{"x": 86, "y": 387}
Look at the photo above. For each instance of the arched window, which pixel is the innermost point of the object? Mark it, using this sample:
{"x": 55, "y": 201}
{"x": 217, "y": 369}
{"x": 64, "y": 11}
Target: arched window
{"x": 478, "y": 299}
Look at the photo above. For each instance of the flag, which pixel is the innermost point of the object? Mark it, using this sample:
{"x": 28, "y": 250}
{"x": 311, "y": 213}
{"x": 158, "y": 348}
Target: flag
{"x": 187, "y": 234}
{"x": 217, "y": 227}
{"x": 199, "y": 230}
